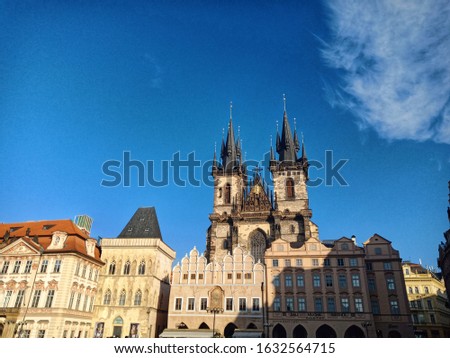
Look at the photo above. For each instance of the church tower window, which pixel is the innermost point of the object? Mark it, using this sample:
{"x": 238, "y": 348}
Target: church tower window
{"x": 227, "y": 198}
{"x": 290, "y": 193}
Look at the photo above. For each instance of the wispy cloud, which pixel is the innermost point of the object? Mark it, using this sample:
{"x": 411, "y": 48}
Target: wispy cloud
{"x": 394, "y": 61}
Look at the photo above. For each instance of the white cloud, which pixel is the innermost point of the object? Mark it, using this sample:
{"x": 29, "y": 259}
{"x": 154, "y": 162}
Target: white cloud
{"x": 394, "y": 57}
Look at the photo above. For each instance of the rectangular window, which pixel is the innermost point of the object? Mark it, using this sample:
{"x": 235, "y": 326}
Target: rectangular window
{"x": 77, "y": 305}
{"x": 326, "y": 262}
{"x": 77, "y": 269}
{"x": 72, "y": 296}
{"x": 375, "y": 306}
{"x": 5, "y": 267}
{"x": 191, "y": 304}
{"x": 426, "y": 289}
{"x": 7, "y": 298}
{"x": 85, "y": 304}
{"x": 277, "y": 304}
{"x": 248, "y": 276}
{"x": 329, "y": 280}
{"x": 230, "y": 276}
{"x": 394, "y": 307}
{"x": 372, "y": 284}
{"x": 289, "y": 304}
{"x": 299, "y": 262}
{"x": 387, "y": 265}
{"x": 356, "y": 281}
{"x": 340, "y": 262}
{"x": 316, "y": 280}
{"x": 318, "y": 307}
{"x": 432, "y": 318}
{"x": 288, "y": 281}
{"x": 26, "y": 333}
{"x": 255, "y": 304}
{"x": 36, "y": 298}
{"x": 419, "y": 304}
{"x": 185, "y": 276}
{"x": 301, "y": 301}
{"x": 378, "y": 251}
{"x": 275, "y": 263}
{"x": 342, "y": 281}
{"x": 57, "y": 266}
{"x": 300, "y": 281}
{"x": 242, "y": 304}
{"x": 331, "y": 304}
{"x": 345, "y": 304}
{"x": 229, "y": 304}
{"x": 238, "y": 276}
{"x": 276, "y": 281}
{"x": 50, "y": 295}
{"x": 369, "y": 266}
{"x": 28, "y": 266}
{"x": 19, "y": 298}
{"x": 41, "y": 333}
{"x": 203, "y": 303}
{"x": 17, "y": 266}
{"x": 178, "y": 303}
{"x": 315, "y": 262}
{"x": 359, "y": 304}
{"x": 287, "y": 263}
{"x": 353, "y": 262}
{"x": 429, "y": 304}
{"x": 390, "y": 283}
{"x": 44, "y": 266}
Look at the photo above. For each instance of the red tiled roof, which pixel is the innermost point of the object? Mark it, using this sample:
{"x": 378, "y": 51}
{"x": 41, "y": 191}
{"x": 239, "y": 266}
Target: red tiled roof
{"x": 43, "y": 231}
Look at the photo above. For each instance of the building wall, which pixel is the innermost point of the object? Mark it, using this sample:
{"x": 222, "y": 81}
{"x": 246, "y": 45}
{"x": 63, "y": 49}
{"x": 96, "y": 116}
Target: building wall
{"x": 149, "y": 314}
{"x": 427, "y": 299}
{"x": 236, "y": 277}
{"x": 76, "y": 276}
{"x": 312, "y": 273}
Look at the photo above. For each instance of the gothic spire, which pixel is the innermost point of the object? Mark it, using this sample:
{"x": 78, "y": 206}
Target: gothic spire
{"x": 286, "y": 148}
{"x": 230, "y": 152}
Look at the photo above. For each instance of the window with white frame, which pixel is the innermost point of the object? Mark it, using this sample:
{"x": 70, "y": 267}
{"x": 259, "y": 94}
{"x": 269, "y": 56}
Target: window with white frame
{"x": 300, "y": 280}
{"x": 345, "y": 304}
{"x": 229, "y": 304}
{"x": 191, "y": 304}
{"x": 359, "y": 304}
{"x": 289, "y": 304}
{"x": 44, "y": 266}
{"x": 19, "y": 298}
{"x": 301, "y": 302}
{"x": 298, "y": 262}
{"x": 178, "y": 303}
{"x": 203, "y": 303}
{"x": 277, "y": 304}
{"x": 72, "y": 297}
{"x": 255, "y": 304}
{"x": 356, "y": 280}
{"x": 7, "y": 298}
{"x": 5, "y": 267}
{"x": 242, "y": 304}
{"x": 36, "y": 298}
{"x": 28, "y": 266}
{"x": 17, "y": 266}
{"x": 50, "y": 296}
{"x": 288, "y": 280}
{"x": 57, "y": 267}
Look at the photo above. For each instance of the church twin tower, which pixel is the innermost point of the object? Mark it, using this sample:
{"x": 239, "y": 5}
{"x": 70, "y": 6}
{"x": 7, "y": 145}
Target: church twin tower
{"x": 246, "y": 213}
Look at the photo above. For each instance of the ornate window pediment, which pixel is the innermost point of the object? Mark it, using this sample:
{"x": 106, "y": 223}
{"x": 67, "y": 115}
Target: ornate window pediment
{"x": 58, "y": 240}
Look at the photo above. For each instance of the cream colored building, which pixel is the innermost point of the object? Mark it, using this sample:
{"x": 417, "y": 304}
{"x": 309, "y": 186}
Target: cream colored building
{"x": 134, "y": 283}
{"x": 427, "y": 300}
{"x": 216, "y": 298}
{"x": 49, "y": 274}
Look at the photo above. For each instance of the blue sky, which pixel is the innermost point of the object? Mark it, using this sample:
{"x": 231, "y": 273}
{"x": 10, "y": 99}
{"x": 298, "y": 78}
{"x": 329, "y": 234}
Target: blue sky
{"x": 82, "y": 81}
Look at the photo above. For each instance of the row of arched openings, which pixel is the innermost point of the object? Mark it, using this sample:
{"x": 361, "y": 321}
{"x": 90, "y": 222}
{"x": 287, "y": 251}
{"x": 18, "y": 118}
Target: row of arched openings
{"x": 126, "y": 268}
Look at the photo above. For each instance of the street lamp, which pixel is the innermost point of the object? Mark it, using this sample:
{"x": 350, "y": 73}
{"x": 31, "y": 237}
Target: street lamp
{"x": 214, "y": 310}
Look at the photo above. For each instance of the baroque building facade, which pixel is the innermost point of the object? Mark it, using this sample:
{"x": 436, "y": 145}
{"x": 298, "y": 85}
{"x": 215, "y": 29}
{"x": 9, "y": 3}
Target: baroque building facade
{"x": 427, "y": 301}
{"x": 310, "y": 288}
{"x": 48, "y": 279}
{"x": 134, "y": 284}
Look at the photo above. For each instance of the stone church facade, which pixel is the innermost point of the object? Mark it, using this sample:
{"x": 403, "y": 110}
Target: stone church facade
{"x": 263, "y": 251}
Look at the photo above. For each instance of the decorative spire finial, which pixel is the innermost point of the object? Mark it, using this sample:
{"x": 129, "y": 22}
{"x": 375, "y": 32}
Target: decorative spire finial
{"x": 231, "y": 109}
{"x": 295, "y": 123}
{"x": 284, "y": 100}
{"x": 277, "y": 125}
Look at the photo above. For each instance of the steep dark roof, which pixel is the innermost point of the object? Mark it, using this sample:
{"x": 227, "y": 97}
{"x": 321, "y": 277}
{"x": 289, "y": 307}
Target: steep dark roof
{"x": 144, "y": 223}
